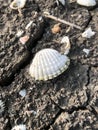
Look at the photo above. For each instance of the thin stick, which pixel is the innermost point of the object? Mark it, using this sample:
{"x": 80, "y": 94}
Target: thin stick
{"x": 46, "y": 14}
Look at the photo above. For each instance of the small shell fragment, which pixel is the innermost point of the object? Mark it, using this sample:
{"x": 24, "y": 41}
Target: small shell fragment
{"x": 24, "y": 39}
{"x": 19, "y": 33}
{"x": 48, "y": 64}
{"x": 17, "y": 4}
{"x": 88, "y": 33}
{"x": 22, "y": 92}
{"x": 62, "y": 2}
{"x": 56, "y": 28}
{"x": 86, "y": 2}
{"x": 29, "y": 24}
{"x": 65, "y": 40}
{"x": 19, "y": 127}
{"x": 2, "y": 106}
{"x": 86, "y": 51}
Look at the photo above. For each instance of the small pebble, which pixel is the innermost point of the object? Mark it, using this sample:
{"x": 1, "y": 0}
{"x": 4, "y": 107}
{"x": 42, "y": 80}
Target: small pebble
{"x": 24, "y": 39}
{"x": 56, "y": 28}
{"x": 40, "y": 18}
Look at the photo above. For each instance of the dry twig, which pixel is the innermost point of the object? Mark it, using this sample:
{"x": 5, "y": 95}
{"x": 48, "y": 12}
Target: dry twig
{"x": 46, "y": 14}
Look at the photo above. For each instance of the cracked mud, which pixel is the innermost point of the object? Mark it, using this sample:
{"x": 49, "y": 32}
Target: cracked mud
{"x": 68, "y": 102}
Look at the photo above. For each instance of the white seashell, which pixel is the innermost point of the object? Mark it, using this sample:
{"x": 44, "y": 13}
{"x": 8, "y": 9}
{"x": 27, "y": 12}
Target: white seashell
{"x": 87, "y": 2}
{"x": 17, "y": 4}
{"x": 88, "y": 33}
{"x": 47, "y": 64}
{"x": 2, "y": 106}
{"x": 19, "y": 127}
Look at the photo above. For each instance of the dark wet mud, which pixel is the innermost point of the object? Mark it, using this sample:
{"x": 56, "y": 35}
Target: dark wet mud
{"x": 67, "y": 102}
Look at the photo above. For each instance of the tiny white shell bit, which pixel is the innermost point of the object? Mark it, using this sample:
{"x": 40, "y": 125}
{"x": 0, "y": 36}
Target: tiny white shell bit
{"x": 2, "y": 106}
{"x": 48, "y": 64}
{"x": 22, "y": 92}
{"x": 19, "y": 127}
{"x": 87, "y": 51}
{"x": 62, "y": 2}
{"x": 87, "y": 2}
{"x": 17, "y": 4}
{"x": 88, "y": 33}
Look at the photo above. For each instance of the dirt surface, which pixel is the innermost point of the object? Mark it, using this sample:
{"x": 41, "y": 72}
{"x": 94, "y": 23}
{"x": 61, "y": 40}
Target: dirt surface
{"x": 68, "y": 102}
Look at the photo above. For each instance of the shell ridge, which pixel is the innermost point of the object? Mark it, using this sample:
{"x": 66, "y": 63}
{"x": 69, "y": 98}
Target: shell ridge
{"x": 61, "y": 62}
{"x": 51, "y": 59}
{"x": 46, "y": 56}
{"x": 56, "y": 63}
{"x": 47, "y": 64}
{"x": 44, "y": 63}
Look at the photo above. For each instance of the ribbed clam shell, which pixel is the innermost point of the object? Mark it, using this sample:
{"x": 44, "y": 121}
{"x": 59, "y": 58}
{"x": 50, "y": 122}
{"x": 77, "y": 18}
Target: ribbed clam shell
{"x": 47, "y": 64}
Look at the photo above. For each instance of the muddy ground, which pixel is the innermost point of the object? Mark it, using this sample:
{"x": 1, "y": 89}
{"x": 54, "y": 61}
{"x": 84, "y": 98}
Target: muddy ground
{"x": 68, "y": 102}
